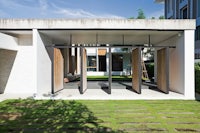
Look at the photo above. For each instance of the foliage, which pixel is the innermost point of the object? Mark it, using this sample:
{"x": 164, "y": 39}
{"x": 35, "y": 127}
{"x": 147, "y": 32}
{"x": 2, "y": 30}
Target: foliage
{"x": 162, "y": 17}
{"x": 109, "y": 116}
{"x": 141, "y": 14}
{"x": 131, "y": 18}
{"x": 152, "y": 17}
{"x": 149, "y": 53}
{"x": 197, "y": 77}
{"x": 150, "y": 69}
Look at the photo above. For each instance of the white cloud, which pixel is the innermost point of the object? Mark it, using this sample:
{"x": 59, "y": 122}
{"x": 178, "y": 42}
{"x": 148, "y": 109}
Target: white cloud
{"x": 43, "y": 6}
{"x": 79, "y": 13}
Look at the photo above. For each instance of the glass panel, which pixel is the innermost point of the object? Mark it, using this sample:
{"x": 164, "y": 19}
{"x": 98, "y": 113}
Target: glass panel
{"x": 117, "y": 62}
{"x": 198, "y": 8}
{"x": 91, "y": 63}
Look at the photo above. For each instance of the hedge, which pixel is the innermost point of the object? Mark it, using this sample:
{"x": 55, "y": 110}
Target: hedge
{"x": 197, "y": 77}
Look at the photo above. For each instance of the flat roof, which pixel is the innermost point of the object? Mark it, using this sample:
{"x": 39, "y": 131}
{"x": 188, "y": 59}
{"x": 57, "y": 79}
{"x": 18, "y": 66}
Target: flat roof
{"x": 138, "y": 24}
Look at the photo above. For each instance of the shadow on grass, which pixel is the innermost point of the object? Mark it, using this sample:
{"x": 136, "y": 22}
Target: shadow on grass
{"x": 49, "y": 116}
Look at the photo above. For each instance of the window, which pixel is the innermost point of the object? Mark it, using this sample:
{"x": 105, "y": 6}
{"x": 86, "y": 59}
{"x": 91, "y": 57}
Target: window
{"x": 102, "y": 63}
{"x": 91, "y": 63}
{"x": 169, "y": 6}
{"x": 197, "y": 35}
{"x": 198, "y": 8}
{"x": 117, "y": 62}
{"x": 181, "y": 1}
{"x": 184, "y": 13}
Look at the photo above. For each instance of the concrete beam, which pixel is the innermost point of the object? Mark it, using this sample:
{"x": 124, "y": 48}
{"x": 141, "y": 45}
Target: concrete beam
{"x": 97, "y": 24}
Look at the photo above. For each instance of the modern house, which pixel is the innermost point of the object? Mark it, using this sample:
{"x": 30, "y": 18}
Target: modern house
{"x": 37, "y": 54}
{"x": 185, "y": 9}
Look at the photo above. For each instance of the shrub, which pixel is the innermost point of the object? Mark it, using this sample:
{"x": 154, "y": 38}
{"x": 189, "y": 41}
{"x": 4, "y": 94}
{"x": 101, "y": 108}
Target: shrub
{"x": 197, "y": 77}
{"x": 150, "y": 69}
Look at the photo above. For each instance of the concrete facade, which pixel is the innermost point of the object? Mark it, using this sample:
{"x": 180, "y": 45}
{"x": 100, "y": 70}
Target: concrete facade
{"x": 33, "y": 40}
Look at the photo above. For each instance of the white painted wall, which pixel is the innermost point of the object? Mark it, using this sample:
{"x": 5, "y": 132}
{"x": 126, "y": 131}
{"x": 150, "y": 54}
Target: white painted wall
{"x": 44, "y": 63}
{"x": 22, "y": 78}
{"x": 181, "y": 63}
{"x": 8, "y": 42}
{"x": 189, "y": 64}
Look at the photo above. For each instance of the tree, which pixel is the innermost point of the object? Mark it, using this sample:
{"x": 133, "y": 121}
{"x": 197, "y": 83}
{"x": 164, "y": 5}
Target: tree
{"x": 162, "y": 17}
{"x": 131, "y": 18}
{"x": 141, "y": 14}
{"x": 152, "y": 17}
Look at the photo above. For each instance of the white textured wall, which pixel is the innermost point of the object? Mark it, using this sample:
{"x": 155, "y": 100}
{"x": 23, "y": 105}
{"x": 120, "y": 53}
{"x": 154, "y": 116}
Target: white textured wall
{"x": 189, "y": 64}
{"x": 43, "y": 64}
{"x": 181, "y": 63}
{"x": 8, "y": 42}
{"x": 22, "y": 77}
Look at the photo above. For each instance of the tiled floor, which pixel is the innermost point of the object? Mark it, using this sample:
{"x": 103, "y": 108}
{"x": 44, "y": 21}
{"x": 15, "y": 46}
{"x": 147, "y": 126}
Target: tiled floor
{"x": 119, "y": 91}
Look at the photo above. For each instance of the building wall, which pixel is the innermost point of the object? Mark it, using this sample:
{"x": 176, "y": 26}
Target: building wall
{"x": 181, "y": 63}
{"x": 22, "y": 77}
{"x": 44, "y": 58}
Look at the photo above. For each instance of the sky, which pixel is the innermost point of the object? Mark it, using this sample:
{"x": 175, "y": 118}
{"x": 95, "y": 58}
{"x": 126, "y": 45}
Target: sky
{"x": 79, "y": 8}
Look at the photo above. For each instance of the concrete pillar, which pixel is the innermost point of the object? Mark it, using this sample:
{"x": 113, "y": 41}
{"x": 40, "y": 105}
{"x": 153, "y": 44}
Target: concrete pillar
{"x": 110, "y": 72}
{"x": 97, "y": 60}
{"x": 44, "y": 61}
{"x": 189, "y": 64}
{"x": 155, "y": 65}
{"x": 107, "y": 61}
{"x": 78, "y": 61}
{"x": 35, "y": 41}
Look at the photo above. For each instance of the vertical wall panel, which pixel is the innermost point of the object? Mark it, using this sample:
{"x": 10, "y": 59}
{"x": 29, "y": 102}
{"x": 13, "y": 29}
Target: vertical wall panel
{"x": 58, "y": 70}
{"x": 136, "y": 68}
{"x": 83, "y": 70}
{"x": 163, "y": 70}
{"x": 7, "y": 58}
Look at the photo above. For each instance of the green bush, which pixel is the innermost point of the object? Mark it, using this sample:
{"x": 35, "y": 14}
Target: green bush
{"x": 150, "y": 69}
{"x": 197, "y": 77}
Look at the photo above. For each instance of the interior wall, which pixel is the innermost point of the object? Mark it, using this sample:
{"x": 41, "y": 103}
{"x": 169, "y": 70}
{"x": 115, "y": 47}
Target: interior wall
{"x": 26, "y": 40}
{"x": 7, "y": 60}
{"x": 22, "y": 77}
{"x": 44, "y": 63}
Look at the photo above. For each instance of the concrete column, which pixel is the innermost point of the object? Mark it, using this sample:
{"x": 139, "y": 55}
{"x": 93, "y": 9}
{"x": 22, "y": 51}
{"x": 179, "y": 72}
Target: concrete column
{"x": 110, "y": 72}
{"x": 35, "y": 41}
{"x": 155, "y": 65}
{"x": 107, "y": 61}
{"x": 97, "y": 59}
{"x": 44, "y": 61}
{"x": 78, "y": 61}
{"x": 189, "y": 64}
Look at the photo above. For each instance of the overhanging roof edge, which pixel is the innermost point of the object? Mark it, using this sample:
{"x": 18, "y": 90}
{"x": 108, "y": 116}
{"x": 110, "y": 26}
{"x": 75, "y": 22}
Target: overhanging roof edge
{"x": 144, "y": 24}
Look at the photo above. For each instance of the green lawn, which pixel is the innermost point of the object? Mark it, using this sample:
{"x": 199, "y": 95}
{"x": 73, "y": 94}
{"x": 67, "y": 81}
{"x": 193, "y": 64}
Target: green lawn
{"x": 99, "y": 116}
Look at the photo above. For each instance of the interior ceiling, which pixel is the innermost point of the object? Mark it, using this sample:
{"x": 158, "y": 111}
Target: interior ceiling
{"x": 121, "y": 37}
{"x": 126, "y": 37}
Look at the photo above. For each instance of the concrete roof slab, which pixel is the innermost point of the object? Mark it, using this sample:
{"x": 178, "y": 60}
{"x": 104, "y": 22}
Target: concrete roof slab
{"x": 154, "y": 24}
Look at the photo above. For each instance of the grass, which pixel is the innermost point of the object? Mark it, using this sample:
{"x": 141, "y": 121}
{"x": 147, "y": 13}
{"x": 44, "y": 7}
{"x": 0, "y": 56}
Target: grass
{"x": 99, "y": 116}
